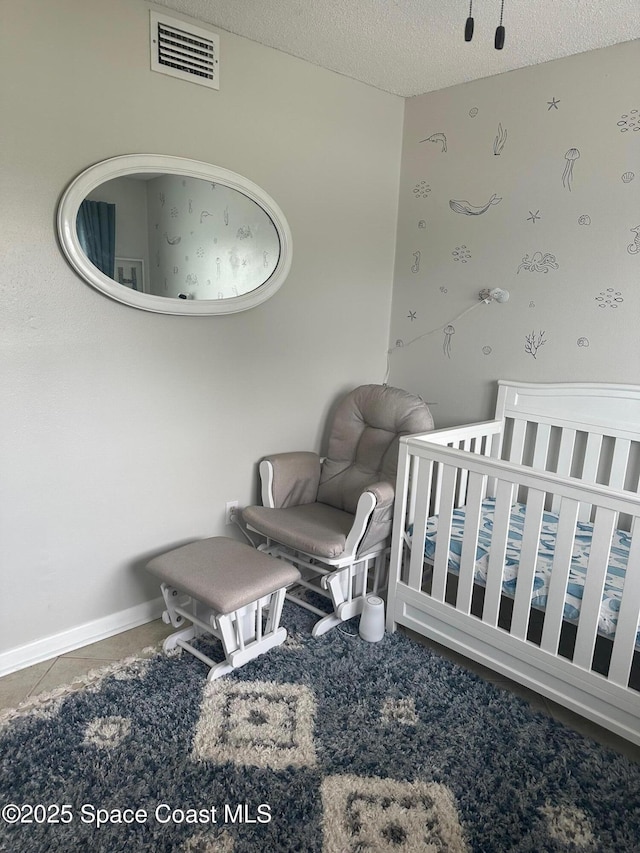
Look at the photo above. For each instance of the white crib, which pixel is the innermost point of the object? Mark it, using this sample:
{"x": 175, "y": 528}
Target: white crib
{"x": 516, "y": 543}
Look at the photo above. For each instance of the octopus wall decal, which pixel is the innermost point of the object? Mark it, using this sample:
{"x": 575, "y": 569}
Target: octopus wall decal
{"x": 468, "y": 209}
{"x": 567, "y": 176}
{"x": 539, "y": 262}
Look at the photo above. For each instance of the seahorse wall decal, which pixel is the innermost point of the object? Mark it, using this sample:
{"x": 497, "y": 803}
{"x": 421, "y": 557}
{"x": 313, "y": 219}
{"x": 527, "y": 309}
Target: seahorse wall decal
{"x": 634, "y": 248}
{"x": 463, "y": 206}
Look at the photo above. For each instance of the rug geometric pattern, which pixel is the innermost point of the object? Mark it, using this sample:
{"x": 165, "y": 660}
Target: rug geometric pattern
{"x": 256, "y": 724}
{"x": 327, "y": 745}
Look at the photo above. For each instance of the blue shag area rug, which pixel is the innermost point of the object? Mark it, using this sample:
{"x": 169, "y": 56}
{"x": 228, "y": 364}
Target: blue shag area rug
{"x": 330, "y": 744}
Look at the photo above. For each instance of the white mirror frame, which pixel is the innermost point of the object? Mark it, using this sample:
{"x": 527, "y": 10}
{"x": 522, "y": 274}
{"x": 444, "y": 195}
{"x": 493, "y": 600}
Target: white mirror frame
{"x": 132, "y": 164}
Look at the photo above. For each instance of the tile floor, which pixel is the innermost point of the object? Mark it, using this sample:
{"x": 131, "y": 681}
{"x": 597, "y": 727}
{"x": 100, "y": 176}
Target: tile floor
{"x": 56, "y": 672}
{"x": 47, "y": 675}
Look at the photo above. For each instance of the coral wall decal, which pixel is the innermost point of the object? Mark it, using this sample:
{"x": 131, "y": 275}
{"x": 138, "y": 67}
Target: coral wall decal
{"x": 500, "y": 140}
{"x": 533, "y": 342}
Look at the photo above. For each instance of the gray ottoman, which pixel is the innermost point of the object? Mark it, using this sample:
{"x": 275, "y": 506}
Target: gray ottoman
{"x": 228, "y": 589}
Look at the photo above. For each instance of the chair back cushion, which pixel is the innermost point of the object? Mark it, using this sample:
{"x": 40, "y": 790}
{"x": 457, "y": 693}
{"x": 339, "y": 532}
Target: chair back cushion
{"x": 364, "y": 439}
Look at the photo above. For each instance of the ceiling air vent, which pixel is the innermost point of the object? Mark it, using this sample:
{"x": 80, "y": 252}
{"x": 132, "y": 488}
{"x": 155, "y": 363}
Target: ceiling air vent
{"x": 183, "y": 50}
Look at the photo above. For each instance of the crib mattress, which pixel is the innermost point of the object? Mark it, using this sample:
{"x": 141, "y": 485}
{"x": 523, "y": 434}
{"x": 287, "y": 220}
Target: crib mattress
{"x": 618, "y": 558}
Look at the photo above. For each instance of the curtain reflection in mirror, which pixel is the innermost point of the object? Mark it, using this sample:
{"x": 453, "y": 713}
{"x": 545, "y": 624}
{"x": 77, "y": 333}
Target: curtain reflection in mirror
{"x": 96, "y": 226}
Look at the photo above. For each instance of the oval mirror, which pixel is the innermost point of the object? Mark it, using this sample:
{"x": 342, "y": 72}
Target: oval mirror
{"x": 173, "y": 235}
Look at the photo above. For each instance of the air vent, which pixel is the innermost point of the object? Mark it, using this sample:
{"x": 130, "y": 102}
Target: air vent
{"x": 183, "y": 50}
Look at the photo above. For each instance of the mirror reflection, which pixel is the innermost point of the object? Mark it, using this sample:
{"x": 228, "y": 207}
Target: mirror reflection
{"x": 178, "y": 236}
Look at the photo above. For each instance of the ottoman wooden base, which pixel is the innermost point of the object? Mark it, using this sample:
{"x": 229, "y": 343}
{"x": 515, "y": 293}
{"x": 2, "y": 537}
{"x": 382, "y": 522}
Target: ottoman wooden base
{"x": 227, "y": 589}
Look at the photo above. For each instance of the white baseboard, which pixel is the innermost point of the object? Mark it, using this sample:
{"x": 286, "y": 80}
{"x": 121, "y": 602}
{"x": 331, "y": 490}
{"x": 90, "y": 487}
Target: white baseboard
{"x": 82, "y": 635}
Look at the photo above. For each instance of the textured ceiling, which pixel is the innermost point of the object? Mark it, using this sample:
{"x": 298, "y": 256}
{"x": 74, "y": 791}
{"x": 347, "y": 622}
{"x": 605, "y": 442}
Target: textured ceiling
{"x": 409, "y": 47}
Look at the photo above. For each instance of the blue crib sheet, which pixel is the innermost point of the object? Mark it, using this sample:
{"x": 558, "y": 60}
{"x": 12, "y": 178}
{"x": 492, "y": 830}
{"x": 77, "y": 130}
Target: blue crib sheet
{"x": 618, "y": 558}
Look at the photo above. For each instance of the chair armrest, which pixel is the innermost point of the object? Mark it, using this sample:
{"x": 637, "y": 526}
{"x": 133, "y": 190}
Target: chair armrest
{"x": 290, "y": 479}
{"x": 384, "y": 493}
{"x": 372, "y": 522}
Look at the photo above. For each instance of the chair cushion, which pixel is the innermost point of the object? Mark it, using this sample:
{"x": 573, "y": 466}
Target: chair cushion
{"x": 222, "y": 573}
{"x": 364, "y": 440}
{"x": 316, "y": 528}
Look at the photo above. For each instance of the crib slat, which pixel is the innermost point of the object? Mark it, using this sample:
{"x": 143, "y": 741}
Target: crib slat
{"x": 594, "y": 586}
{"x": 441, "y": 556}
{"x": 473, "y": 513}
{"x": 504, "y": 499}
{"x": 619, "y": 462}
{"x": 567, "y": 518}
{"x": 527, "y": 565}
{"x": 628, "y": 615}
{"x": 423, "y": 482}
{"x": 462, "y": 477}
{"x": 541, "y": 449}
{"x": 493, "y": 448}
{"x": 437, "y": 491}
{"x": 565, "y": 458}
{"x": 590, "y": 469}
{"x": 591, "y": 457}
{"x": 414, "y": 462}
{"x": 516, "y": 451}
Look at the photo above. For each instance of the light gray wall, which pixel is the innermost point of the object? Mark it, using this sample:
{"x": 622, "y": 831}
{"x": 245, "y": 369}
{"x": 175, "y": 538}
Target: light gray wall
{"x": 566, "y": 251}
{"x": 124, "y": 432}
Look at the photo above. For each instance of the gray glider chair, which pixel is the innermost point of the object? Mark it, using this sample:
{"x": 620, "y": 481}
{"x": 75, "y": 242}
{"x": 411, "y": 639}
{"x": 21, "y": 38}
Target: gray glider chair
{"x": 331, "y": 517}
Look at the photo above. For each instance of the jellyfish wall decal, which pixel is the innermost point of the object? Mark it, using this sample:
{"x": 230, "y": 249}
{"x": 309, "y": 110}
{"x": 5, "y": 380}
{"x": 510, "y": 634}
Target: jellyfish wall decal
{"x": 567, "y": 176}
{"x": 446, "y": 345}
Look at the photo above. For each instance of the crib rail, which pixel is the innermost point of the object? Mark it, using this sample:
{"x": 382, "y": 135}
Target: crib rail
{"x": 442, "y": 471}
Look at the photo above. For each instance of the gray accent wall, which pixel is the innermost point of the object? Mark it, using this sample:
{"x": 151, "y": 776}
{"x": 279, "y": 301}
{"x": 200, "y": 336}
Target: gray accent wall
{"x": 528, "y": 181}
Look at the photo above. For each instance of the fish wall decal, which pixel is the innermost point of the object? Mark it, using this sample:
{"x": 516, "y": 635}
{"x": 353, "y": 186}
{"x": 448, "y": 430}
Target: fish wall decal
{"x": 468, "y": 209}
{"x": 437, "y": 137}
